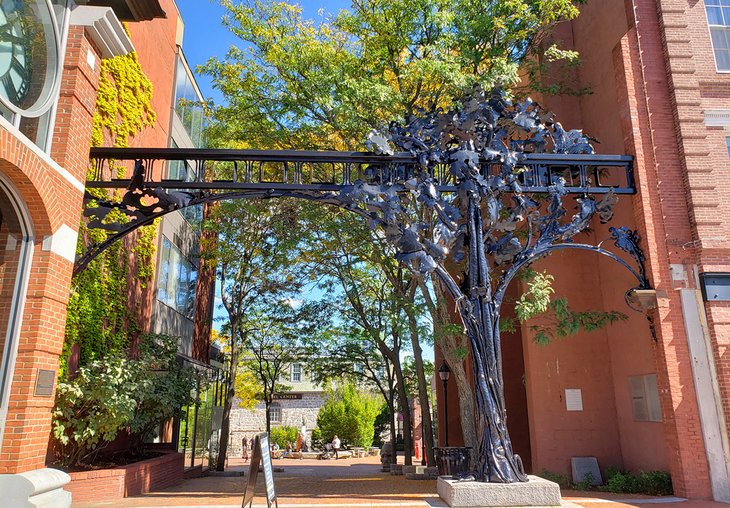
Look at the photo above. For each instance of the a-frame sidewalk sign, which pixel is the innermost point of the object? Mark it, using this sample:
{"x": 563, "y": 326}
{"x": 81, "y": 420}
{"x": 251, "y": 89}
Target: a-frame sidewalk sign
{"x": 260, "y": 456}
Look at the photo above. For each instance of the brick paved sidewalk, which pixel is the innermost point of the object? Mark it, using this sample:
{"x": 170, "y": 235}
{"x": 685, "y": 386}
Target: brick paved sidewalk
{"x": 345, "y": 483}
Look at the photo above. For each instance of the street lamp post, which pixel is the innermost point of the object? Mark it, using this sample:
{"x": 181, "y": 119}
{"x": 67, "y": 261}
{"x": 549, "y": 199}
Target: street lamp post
{"x": 444, "y": 373}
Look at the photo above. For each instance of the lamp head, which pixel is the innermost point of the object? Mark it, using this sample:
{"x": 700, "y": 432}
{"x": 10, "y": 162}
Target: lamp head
{"x": 444, "y": 371}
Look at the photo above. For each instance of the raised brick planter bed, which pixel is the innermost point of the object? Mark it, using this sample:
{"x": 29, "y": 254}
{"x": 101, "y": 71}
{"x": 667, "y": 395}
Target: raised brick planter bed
{"x": 130, "y": 480}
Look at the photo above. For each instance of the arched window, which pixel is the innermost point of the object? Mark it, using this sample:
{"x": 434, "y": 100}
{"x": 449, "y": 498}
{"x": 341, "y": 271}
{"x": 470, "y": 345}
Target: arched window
{"x": 16, "y": 249}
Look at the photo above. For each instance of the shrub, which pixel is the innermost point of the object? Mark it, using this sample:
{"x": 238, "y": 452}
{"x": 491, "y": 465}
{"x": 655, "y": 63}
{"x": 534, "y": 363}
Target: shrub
{"x": 281, "y": 435}
{"x": 656, "y": 483}
{"x": 317, "y": 440}
{"x": 116, "y": 394}
{"x": 350, "y": 414}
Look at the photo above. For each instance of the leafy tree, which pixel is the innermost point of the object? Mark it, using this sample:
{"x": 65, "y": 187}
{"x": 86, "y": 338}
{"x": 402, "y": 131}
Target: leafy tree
{"x": 349, "y": 352}
{"x": 282, "y": 435}
{"x": 276, "y": 342}
{"x": 248, "y": 388}
{"x": 340, "y": 252}
{"x": 349, "y": 414}
{"x": 299, "y": 83}
{"x": 256, "y": 240}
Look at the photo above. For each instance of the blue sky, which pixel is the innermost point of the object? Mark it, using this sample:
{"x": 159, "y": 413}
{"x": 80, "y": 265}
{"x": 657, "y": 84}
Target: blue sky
{"x": 205, "y": 36}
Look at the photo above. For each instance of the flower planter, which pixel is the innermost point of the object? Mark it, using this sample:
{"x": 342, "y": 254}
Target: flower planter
{"x": 129, "y": 480}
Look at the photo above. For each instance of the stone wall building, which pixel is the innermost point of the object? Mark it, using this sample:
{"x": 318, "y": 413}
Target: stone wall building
{"x": 294, "y": 408}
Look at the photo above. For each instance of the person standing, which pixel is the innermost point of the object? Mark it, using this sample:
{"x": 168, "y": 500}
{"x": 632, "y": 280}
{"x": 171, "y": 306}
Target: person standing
{"x": 244, "y": 448}
{"x": 336, "y": 446}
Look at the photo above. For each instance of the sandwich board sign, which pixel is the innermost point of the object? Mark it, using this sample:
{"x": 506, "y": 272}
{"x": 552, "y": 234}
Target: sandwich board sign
{"x": 260, "y": 456}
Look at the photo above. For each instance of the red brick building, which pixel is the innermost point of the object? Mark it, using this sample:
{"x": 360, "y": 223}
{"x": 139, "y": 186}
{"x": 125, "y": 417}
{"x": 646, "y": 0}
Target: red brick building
{"x": 629, "y": 397}
{"x": 46, "y": 108}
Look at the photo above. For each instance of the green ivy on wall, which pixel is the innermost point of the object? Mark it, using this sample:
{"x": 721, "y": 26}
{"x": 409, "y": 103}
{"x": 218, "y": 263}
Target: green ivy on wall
{"x": 100, "y": 319}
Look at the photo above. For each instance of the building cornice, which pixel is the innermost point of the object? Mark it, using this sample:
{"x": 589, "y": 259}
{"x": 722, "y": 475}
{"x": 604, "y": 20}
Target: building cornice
{"x": 104, "y": 28}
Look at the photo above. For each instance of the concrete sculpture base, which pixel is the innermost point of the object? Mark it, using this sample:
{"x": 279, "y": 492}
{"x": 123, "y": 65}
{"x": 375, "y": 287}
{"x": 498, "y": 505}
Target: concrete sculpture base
{"x": 536, "y": 492}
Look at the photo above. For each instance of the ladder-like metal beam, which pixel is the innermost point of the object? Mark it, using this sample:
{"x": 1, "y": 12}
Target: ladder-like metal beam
{"x": 237, "y": 170}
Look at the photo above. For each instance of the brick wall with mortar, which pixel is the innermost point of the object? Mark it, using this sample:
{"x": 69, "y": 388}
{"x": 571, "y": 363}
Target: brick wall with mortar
{"x": 107, "y": 485}
{"x": 52, "y": 201}
{"x": 652, "y": 72}
{"x": 664, "y": 77}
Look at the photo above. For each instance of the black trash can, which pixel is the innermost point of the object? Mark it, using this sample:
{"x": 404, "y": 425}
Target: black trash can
{"x": 453, "y": 460}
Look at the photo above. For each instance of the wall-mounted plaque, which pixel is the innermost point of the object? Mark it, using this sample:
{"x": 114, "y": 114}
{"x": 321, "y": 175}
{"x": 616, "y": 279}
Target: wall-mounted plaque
{"x": 44, "y": 382}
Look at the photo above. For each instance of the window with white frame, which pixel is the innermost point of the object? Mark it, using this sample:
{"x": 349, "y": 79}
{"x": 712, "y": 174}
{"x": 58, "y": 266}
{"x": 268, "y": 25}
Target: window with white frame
{"x": 177, "y": 280}
{"x": 645, "y": 398}
{"x": 718, "y": 17}
{"x": 296, "y": 372}
{"x": 275, "y": 412}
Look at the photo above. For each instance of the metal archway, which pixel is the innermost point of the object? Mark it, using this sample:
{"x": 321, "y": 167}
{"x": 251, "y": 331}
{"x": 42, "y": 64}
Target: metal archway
{"x": 477, "y": 187}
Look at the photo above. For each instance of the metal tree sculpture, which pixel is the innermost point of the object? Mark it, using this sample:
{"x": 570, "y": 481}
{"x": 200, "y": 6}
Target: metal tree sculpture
{"x": 489, "y": 228}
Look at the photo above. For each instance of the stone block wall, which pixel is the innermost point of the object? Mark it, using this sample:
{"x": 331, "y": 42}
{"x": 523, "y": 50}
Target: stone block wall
{"x": 252, "y": 421}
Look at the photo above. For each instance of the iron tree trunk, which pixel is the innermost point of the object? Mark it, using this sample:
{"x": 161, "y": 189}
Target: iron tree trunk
{"x": 496, "y": 462}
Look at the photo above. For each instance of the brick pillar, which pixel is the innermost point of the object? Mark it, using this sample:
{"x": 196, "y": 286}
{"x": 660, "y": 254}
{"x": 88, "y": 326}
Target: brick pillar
{"x": 661, "y": 211}
{"x": 76, "y": 104}
{"x": 53, "y": 194}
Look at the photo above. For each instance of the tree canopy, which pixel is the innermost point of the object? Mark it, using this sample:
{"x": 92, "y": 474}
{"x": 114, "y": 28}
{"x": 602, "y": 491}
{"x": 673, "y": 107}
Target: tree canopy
{"x": 294, "y": 82}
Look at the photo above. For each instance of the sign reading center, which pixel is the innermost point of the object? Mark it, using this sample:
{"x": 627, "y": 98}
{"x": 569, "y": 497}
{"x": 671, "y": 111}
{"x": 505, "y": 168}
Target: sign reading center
{"x": 287, "y": 396}
{"x": 261, "y": 456}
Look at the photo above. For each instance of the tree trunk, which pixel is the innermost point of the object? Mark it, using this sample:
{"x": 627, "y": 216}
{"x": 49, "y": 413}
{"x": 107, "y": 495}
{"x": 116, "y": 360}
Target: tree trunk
{"x": 405, "y": 410}
{"x": 426, "y": 424}
{"x": 393, "y": 433}
{"x": 268, "y": 417}
{"x": 496, "y": 462}
{"x": 451, "y": 346}
{"x": 227, "y": 404}
{"x": 466, "y": 403}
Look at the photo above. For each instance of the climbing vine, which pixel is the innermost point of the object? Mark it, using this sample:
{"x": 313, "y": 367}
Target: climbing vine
{"x": 99, "y": 319}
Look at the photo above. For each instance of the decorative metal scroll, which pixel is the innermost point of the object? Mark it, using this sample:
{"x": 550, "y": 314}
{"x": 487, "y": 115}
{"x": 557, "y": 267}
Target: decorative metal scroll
{"x": 483, "y": 188}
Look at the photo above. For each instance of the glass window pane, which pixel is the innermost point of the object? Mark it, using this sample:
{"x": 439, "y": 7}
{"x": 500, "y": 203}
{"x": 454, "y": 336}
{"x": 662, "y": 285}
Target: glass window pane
{"x": 714, "y": 16}
{"x": 179, "y": 86}
{"x": 718, "y": 38}
{"x": 164, "y": 271}
{"x": 181, "y": 293}
{"x": 192, "y": 285}
{"x": 723, "y": 60}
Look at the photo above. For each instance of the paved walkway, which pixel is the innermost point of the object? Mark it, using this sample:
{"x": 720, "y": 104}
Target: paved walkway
{"x": 347, "y": 483}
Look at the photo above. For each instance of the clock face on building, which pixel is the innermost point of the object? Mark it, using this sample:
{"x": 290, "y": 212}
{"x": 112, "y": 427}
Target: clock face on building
{"x": 28, "y": 55}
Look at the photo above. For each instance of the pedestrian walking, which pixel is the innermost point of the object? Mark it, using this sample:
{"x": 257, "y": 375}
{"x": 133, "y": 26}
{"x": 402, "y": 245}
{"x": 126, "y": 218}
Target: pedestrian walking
{"x": 336, "y": 446}
{"x": 244, "y": 448}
